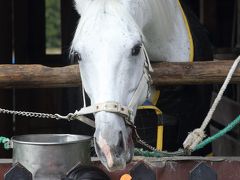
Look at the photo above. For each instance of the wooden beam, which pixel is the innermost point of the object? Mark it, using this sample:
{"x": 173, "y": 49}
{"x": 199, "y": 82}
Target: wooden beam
{"x": 38, "y": 76}
{"x": 207, "y": 72}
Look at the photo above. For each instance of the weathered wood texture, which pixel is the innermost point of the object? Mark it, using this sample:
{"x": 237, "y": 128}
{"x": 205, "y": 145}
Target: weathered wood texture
{"x": 38, "y": 76}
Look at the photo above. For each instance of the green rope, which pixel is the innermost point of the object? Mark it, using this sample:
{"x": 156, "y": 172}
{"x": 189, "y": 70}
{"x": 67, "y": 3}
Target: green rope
{"x": 158, "y": 154}
{"x": 181, "y": 152}
{"x": 5, "y": 141}
{"x": 228, "y": 128}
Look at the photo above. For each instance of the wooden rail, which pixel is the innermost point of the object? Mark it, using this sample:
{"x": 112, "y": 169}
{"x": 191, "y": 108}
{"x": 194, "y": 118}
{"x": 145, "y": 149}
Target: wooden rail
{"x": 38, "y": 76}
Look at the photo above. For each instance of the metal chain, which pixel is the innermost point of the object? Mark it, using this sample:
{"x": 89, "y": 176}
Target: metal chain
{"x": 137, "y": 137}
{"x": 180, "y": 152}
{"x": 29, "y": 114}
{"x": 71, "y": 117}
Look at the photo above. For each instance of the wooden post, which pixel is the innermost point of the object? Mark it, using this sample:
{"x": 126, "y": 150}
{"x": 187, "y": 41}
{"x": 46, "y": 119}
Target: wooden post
{"x": 38, "y": 76}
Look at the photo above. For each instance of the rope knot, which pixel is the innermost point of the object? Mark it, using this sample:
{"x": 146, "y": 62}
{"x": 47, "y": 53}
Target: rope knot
{"x": 193, "y": 139}
{"x": 71, "y": 116}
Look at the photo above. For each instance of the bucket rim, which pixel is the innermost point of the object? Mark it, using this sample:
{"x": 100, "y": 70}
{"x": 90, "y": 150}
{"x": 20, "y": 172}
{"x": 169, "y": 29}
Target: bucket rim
{"x": 19, "y": 139}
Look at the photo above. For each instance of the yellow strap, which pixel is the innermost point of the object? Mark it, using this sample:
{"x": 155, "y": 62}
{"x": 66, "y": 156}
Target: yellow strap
{"x": 155, "y": 97}
{"x": 210, "y": 154}
{"x": 159, "y": 144}
{"x": 158, "y": 111}
{"x": 191, "y": 55}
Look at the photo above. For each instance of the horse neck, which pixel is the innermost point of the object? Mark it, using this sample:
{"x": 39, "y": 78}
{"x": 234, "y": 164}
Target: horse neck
{"x": 164, "y": 27}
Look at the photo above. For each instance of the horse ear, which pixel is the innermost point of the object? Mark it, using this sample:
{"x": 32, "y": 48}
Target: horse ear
{"x": 80, "y": 5}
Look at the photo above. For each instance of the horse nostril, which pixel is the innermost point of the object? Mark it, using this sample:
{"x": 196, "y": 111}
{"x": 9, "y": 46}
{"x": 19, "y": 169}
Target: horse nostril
{"x": 120, "y": 146}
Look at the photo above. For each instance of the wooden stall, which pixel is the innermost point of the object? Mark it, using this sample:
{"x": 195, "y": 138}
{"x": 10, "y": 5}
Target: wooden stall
{"x": 23, "y": 41}
{"x": 54, "y": 86}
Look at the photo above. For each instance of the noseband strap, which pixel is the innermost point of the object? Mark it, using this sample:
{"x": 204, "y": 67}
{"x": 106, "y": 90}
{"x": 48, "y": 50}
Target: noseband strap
{"x": 112, "y": 107}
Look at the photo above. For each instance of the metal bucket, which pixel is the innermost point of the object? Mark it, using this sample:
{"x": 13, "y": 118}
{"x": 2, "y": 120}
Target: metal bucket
{"x": 50, "y": 156}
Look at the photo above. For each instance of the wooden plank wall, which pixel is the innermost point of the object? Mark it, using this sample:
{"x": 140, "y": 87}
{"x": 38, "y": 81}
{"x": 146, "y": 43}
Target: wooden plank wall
{"x": 23, "y": 32}
{"x": 5, "y": 58}
{"x": 29, "y": 32}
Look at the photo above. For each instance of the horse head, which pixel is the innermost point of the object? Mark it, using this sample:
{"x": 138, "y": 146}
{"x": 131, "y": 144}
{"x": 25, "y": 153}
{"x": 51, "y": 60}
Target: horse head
{"x": 109, "y": 46}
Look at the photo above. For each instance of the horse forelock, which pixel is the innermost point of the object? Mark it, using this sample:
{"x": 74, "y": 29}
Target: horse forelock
{"x": 111, "y": 12}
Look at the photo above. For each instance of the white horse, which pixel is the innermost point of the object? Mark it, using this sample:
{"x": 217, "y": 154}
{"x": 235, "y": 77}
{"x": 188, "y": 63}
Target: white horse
{"x": 110, "y": 43}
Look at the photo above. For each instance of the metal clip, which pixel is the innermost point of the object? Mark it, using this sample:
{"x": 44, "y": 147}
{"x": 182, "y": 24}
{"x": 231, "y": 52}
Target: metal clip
{"x": 69, "y": 117}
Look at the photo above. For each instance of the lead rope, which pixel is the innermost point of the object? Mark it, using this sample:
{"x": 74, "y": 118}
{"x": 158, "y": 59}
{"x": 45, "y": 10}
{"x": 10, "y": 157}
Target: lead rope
{"x": 195, "y": 137}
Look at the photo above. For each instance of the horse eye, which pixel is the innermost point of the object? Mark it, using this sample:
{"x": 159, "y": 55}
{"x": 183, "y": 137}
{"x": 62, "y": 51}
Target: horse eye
{"x": 75, "y": 57}
{"x": 136, "y": 49}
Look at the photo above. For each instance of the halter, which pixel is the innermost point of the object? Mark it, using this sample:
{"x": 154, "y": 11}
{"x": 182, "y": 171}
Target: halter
{"x": 115, "y": 107}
